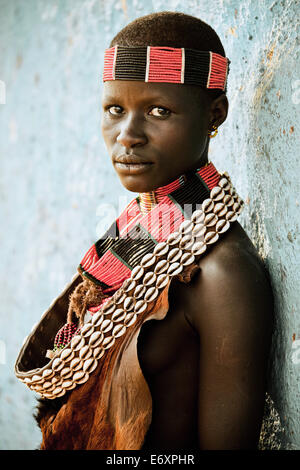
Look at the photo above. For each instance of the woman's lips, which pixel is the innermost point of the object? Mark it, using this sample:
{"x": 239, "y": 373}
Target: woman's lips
{"x": 133, "y": 168}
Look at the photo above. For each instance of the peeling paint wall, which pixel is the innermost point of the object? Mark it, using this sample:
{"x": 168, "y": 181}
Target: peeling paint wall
{"x": 56, "y": 181}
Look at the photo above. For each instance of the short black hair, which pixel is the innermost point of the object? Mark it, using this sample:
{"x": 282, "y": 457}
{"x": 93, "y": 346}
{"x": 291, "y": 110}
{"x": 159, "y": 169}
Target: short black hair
{"x": 171, "y": 29}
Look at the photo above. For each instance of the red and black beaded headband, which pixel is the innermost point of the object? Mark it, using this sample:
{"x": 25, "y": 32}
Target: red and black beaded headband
{"x": 166, "y": 64}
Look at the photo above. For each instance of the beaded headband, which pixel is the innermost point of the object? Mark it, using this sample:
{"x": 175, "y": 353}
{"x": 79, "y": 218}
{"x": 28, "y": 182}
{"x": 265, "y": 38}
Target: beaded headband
{"x": 166, "y": 64}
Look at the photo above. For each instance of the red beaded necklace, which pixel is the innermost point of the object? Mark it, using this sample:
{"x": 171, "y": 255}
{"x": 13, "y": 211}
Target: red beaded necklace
{"x": 110, "y": 270}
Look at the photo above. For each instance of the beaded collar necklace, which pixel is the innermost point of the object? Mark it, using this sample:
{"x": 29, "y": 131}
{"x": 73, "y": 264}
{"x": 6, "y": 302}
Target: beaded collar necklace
{"x": 147, "y": 220}
{"x": 139, "y": 211}
{"x": 147, "y": 201}
{"x": 134, "y": 271}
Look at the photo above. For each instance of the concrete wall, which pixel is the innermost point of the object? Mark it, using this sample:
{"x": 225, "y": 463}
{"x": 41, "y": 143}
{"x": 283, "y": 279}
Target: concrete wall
{"x": 56, "y": 176}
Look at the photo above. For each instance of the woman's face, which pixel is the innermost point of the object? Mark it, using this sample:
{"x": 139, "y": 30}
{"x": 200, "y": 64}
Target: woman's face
{"x": 154, "y": 132}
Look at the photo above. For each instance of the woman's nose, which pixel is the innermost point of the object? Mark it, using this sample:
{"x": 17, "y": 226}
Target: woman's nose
{"x": 132, "y": 133}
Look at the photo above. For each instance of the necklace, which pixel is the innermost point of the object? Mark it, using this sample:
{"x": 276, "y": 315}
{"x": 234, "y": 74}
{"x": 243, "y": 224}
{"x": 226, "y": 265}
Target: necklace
{"x": 155, "y": 239}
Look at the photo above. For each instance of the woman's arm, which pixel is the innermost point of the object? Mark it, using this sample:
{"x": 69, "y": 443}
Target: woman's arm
{"x": 235, "y": 326}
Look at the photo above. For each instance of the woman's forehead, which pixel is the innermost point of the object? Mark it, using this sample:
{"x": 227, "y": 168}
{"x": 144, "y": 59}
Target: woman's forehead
{"x": 138, "y": 90}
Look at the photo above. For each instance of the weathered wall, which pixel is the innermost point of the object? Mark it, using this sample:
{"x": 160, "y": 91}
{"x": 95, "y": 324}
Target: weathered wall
{"x": 55, "y": 174}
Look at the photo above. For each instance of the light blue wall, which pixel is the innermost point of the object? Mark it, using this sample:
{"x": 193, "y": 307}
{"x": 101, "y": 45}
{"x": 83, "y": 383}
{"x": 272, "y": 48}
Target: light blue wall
{"x": 56, "y": 176}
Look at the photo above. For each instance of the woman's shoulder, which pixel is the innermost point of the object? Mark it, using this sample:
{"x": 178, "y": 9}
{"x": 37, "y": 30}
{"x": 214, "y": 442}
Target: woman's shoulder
{"x": 232, "y": 286}
{"x": 236, "y": 261}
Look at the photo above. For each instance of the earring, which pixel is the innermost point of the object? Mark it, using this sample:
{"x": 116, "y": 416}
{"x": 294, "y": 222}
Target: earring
{"x": 214, "y": 130}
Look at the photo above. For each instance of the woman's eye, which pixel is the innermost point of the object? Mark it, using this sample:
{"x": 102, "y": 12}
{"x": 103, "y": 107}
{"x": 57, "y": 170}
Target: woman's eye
{"x": 114, "y": 110}
{"x": 159, "y": 111}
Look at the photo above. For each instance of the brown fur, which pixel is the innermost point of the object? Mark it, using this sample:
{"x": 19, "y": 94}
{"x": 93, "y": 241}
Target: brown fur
{"x": 87, "y": 294}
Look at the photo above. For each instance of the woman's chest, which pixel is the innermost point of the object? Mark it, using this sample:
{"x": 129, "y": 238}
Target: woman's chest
{"x": 171, "y": 343}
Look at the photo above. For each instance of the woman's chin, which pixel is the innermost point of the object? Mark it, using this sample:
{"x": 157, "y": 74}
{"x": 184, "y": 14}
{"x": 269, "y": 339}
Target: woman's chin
{"x": 137, "y": 185}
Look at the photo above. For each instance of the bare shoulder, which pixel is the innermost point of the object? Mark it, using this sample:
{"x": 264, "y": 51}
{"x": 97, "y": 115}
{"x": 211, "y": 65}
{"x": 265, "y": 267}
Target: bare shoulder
{"x": 232, "y": 288}
{"x": 235, "y": 261}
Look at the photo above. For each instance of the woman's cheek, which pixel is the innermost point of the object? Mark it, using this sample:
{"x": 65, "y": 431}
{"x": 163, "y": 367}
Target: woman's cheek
{"x": 109, "y": 134}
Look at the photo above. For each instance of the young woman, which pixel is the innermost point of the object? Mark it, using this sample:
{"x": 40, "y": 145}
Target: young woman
{"x": 169, "y": 321}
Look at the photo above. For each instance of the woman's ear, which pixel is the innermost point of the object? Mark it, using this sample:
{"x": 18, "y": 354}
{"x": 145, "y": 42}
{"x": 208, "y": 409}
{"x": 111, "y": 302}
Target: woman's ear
{"x": 218, "y": 110}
